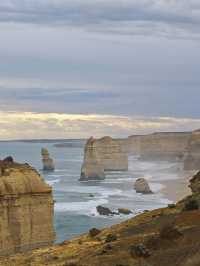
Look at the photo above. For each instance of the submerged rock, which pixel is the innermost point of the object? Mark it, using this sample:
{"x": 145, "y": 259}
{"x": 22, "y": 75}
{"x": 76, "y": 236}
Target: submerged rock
{"x": 124, "y": 211}
{"x": 141, "y": 186}
{"x": 48, "y": 163}
{"x": 104, "y": 210}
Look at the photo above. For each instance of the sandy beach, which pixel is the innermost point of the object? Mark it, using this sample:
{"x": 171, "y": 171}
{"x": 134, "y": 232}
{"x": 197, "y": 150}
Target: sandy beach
{"x": 177, "y": 189}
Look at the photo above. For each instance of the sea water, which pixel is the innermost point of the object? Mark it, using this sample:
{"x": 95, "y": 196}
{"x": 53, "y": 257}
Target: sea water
{"x": 76, "y": 202}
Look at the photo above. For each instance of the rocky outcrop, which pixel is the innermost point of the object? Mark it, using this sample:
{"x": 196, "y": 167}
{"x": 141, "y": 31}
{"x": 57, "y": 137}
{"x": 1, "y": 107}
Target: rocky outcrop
{"x": 192, "y": 157}
{"x": 48, "y": 164}
{"x": 141, "y": 186}
{"x": 104, "y": 211}
{"x": 92, "y": 168}
{"x": 124, "y": 211}
{"x": 26, "y": 207}
{"x": 195, "y": 184}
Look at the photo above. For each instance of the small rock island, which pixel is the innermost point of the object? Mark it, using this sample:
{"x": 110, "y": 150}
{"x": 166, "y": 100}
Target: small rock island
{"x": 48, "y": 163}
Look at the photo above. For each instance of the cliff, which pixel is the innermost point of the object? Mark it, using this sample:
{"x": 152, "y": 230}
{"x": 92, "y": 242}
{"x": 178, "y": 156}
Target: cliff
{"x": 167, "y": 236}
{"x": 192, "y": 158}
{"x": 160, "y": 146}
{"x": 26, "y": 208}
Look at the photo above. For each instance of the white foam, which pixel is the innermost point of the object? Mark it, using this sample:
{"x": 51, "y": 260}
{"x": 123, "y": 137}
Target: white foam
{"x": 52, "y": 182}
{"x": 83, "y": 207}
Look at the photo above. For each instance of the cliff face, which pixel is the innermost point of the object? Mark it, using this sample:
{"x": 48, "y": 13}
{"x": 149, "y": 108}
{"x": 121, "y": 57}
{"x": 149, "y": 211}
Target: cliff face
{"x": 111, "y": 154}
{"x": 92, "y": 168}
{"x": 160, "y": 146}
{"x": 167, "y": 236}
{"x": 26, "y": 209}
{"x": 192, "y": 158}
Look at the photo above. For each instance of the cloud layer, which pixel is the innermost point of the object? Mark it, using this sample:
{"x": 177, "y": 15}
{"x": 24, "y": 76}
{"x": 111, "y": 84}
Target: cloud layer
{"x": 26, "y": 125}
{"x": 163, "y": 17}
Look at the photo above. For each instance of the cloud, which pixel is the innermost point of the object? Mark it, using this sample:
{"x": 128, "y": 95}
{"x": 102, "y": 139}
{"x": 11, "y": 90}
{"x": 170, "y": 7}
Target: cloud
{"x": 163, "y": 17}
{"x": 27, "y": 125}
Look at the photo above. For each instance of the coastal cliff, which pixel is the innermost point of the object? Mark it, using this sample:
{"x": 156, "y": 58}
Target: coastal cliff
{"x": 192, "y": 158}
{"x": 160, "y": 146}
{"x": 167, "y": 236}
{"x": 26, "y": 207}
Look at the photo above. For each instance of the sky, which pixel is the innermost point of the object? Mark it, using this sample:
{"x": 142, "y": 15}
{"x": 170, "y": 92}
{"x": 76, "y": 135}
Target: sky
{"x": 76, "y": 68}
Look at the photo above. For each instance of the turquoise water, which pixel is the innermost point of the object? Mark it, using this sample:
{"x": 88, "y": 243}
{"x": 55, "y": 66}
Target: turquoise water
{"x": 75, "y": 210}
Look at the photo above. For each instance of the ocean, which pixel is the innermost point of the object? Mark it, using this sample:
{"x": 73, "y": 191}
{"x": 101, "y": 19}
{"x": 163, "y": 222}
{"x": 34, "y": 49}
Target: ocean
{"x": 75, "y": 202}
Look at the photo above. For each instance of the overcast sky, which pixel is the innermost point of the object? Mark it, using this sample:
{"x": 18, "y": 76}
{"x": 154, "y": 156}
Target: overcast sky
{"x": 75, "y": 68}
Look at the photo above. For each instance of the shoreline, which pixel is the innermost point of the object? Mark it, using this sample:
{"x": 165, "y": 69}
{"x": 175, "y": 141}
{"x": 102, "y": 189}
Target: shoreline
{"x": 177, "y": 189}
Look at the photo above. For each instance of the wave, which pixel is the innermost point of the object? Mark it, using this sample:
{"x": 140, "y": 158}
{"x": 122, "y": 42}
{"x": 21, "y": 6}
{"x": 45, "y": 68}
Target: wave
{"x": 52, "y": 182}
{"x": 83, "y": 207}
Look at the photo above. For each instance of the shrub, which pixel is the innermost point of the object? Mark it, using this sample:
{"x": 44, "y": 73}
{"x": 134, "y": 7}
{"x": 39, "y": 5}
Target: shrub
{"x": 190, "y": 205}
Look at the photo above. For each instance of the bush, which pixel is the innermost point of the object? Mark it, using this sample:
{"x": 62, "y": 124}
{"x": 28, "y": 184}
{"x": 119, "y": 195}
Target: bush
{"x": 190, "y": 205}
{"x": 172, "y": 205}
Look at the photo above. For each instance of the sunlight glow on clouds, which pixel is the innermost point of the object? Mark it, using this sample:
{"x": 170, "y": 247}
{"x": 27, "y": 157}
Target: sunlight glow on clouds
{"x": 27, "y": 125}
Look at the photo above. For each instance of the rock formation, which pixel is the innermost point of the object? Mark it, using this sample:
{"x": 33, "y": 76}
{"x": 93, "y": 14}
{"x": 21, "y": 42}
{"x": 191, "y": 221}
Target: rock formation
{"x": 111, "y": 154}
{"x": 192, "y": 158}
{"x": 92, "y": 169}
{"x": 48, "y": 164}
{"x": 164, "y": 145}
{"x": 141, "y": 186}
{"x": 105, "y": 154}
{"x": 195, "y": 184}
{"x": 26, "y": 207}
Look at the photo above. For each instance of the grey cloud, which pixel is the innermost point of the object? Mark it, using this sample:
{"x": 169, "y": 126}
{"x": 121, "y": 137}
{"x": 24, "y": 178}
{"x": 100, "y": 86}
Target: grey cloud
{"x": 129, "y": 16}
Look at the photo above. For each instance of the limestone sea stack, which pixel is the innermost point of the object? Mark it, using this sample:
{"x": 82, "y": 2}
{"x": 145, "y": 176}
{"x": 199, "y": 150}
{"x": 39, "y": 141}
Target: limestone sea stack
{"x": 48, "y": 163}
{"x": 26, "y": 207}
{"x": 141, "y": 186}
{"x": 92, "y": 169}
{"x": 111, "y": 154}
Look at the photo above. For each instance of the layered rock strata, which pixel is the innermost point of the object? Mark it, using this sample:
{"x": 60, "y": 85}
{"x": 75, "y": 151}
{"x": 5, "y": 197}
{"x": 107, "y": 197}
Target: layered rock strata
{"x": 26, "y": 209}
{"x": 48, "y": 163}
{"x": 192, "y": 157}
{"x": 164, "y": 145}
{"x": 92, "y": 168}
{"x": 111, "y": 154}
{"x": 100, "y": 155}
